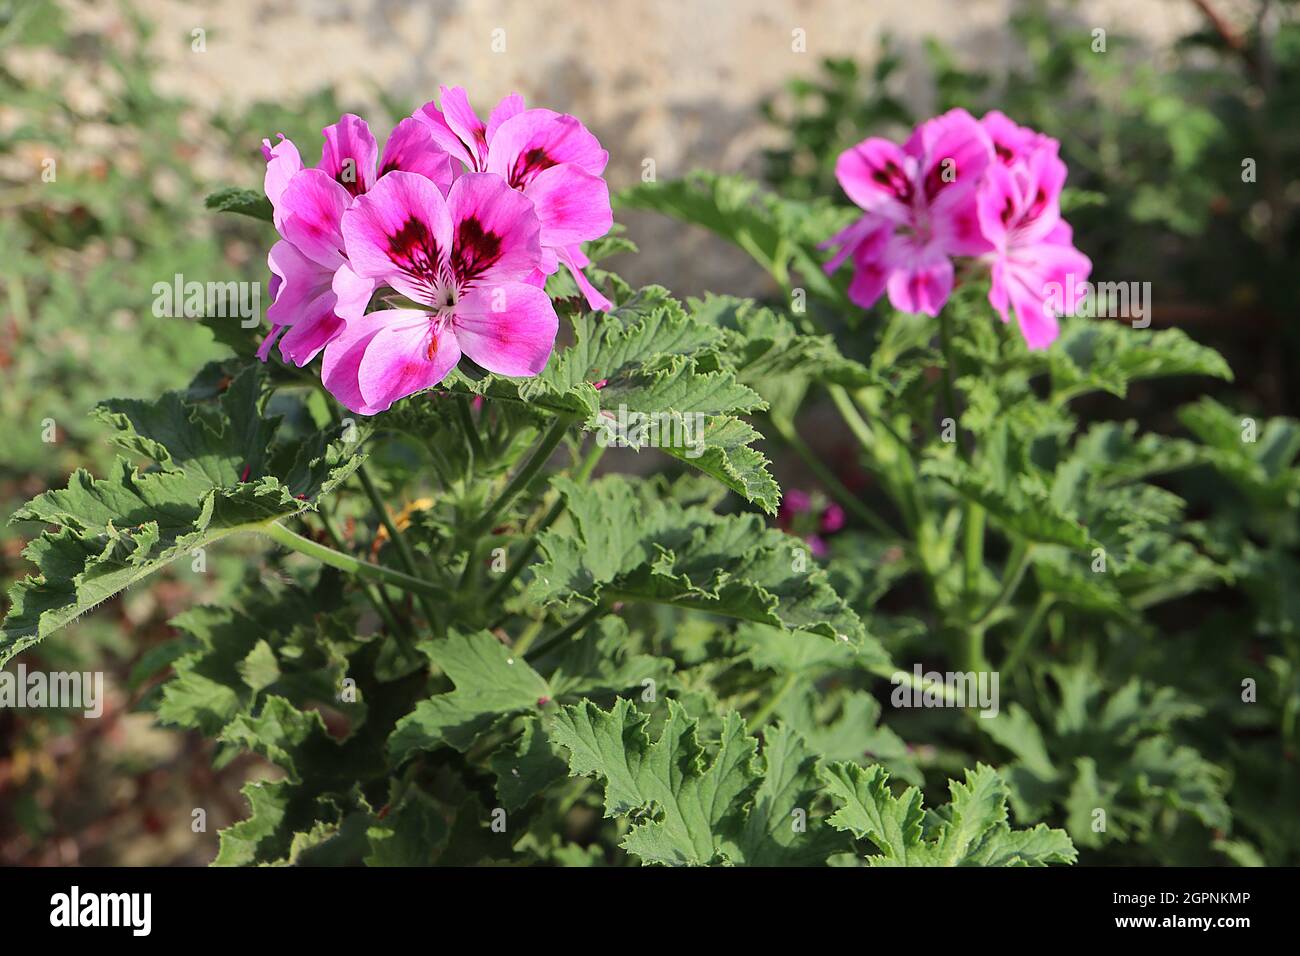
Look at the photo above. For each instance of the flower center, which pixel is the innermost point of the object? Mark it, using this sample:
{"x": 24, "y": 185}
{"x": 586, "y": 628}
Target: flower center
{"x": 445, "y": 296}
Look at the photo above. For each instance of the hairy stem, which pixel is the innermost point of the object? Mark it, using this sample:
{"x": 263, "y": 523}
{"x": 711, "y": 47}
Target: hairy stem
{"x": 764, "y": 713}
{"x": 552, "y": 515}
{"x": 346, "y": 562}
{"x": 523, "y": 477}
{"x": 403, "y": 549}
{"x": 565, "y": 633}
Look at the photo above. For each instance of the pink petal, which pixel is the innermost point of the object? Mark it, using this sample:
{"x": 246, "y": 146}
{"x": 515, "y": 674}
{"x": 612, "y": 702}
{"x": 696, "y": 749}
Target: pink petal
{"x": 464, "y": 122}
{"x": 312, "y": 206}
{"x": 571, "y": 204}
{"x": 512, "y": 105}
{"x": 869, "y": 280}
{"x": 869, "y": 234}
{"x": 956, "y": 153}
{"x": 407, "y": 355}
{"x": 1010, "y": 141}
{"x": 444, "y": 136}
{"x": 1038, "y": 281}
{"x": 264, "y": 350}
{"x": 496, "y": 235}
{"x": 573, "y": 258}
{"x": 920, "y": 277}
{"x": 508, "y": 328}
{"x": 341, "y": 369}
{"x": 400, "y": 233}
{"x": 998, "y": 204}
{"x": 352, "y": 291}
{"x": 305, "y": 303}
{"x": 411, "y": 148}
{"x": 535, "y": 140}
{"x": 282, "y": 162}
{"x": 1041, "y": 209}
{"x": 349, "y": 154}
{"x": 877, "y": 176}
{"x": 305, "y": 338}
{"x": 958, "y": 228}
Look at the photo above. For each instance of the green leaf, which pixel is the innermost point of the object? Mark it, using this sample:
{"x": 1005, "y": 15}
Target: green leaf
{"x": 1093, "y": 355}
{"x": 622, "y": 545}
{"x": 411, "y": 834}
{"x": 211, "y": 479}
{"x": 246, "y": 202}
{"x": 778, "y": 233}
{"x": 529, "y": 766}
{"x": 283, "y": 734}
{"x": 1021, "y": 508}
{"x": 778, "y": 829}
{"x": 771, "y": 356}
{"x": 972, "y": 830}
{"x": 663, "y": 383}
{"x": 490, "y": 682}
{"x": 1258, "y": 457}
{"x": 692, "y": 803}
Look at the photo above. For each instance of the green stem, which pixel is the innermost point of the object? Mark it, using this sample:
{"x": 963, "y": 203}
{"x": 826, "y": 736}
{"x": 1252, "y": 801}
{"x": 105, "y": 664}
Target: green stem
{"x": 376, "y": 596}
{"x": 1017, "y": 564}
{"x": 403, "y": 549}
{"x": 497, "y": 594}
{"x": 849, "y": 412}
{"x": 974, "y": 523}
{"x": 764, "y": 713}
{"x": 897, "y": 674}
{"x": 949, "y": 389}
{"x": 471, "y": 432}
{"x": 567, "y": 632}
{"x": 523, "y": 478}
{"x": 530, "y": 634}
{"x": 346, "y": 562}
{"x": 1021, "y": 646}
{"x": 785, "y": 429}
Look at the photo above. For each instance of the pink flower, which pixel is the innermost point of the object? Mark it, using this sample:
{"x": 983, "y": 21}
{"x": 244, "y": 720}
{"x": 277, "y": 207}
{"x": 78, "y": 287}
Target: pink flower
{"x": 920, "y": 204}
{"x": 551, "y": 157}
{"x": 803, "y": 515}
{"x": 465, "y": 258}
{"x": 1011, "y": 142}
{"x": 312, "y": 282}
{"x": 1033, "y": 263}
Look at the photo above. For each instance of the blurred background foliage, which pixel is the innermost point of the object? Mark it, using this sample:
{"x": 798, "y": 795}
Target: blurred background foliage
{"x": 1150, "y": 138}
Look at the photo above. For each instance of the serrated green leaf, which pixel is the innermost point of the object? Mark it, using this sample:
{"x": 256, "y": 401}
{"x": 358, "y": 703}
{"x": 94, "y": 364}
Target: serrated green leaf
{"x": 694, "y": 803}
{"x": 1093, "y": 355}
{"x": 625, "y": 546}
{"x": 211, "y": 481}
{"x": 490, "y": 682}
{"x": 972, "y": 830}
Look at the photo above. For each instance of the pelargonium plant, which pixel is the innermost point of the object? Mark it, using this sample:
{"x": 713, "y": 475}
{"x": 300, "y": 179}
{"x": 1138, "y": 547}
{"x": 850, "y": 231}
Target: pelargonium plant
{"x": 961, "y": 193}
{"x": 476, "y": 637}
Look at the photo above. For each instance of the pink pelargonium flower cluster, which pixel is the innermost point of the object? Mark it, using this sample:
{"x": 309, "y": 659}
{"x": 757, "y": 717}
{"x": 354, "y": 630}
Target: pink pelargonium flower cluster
{"x": 985, "y": 190}
{"x": 464, "y": 219}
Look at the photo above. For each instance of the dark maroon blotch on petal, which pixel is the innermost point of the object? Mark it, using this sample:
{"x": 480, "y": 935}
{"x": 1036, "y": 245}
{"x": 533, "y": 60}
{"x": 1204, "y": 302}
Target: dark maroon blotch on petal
{"x": 528, "y": 165}
{"x": 414, "y": 249}
{"x": 475, "y": 249}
